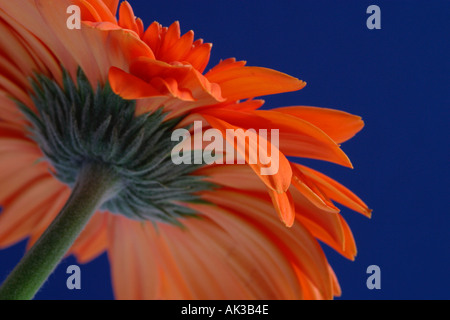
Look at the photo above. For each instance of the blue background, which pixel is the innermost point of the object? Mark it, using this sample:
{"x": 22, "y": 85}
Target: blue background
{"x": 396, "y": 78}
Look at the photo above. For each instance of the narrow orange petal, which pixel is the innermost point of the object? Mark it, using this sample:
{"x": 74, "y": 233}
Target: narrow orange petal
{"x": 102, "y": 10}
{"x": 126, "y": 17}
{"x": 296, "y": 243}
{"x": 336, "y": 191}
{"x": 134, "y": 267}
{"x": 273, "y": 278}
{"x": 239, "y": 82}
{"x": 88, "y": 7}
{"x": 310, "y": 190}
{"x": 170, "y": 86}
{"x": 325, "y": 225}
{"x": 152, "y": 37}
{"x": 199, "y": 56}
{"x": 9, "y": 113}
{"x": 209, "y": 239}
{"x": 238, "y": 176}
{"x": 112, "y": 6}
{"x": 57, "y": 203}
{"x": 336, "y": 287}
{"x": 93, "y": 240}
{"x": 248, "y": 105}
{"x": 140, "y": 25}
{"x": 339, "y": 125}
{"x": 281, "y": 180}
{"x": 320, "y": 145}
{"x": 124, "y": 44}
{"x": 297, "y": 137}
{"x": 284, "y": 205}
{"x": 18, "y": 218}
{"x": 180, "y": 48}
{"x": 129, "y": 86}
{"x": 147, "y": 68}
{"x": 170, "y": 38}
{"x": 349, "y": 241}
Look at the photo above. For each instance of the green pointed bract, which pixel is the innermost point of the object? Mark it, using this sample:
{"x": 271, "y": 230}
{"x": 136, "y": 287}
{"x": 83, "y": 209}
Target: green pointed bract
{"x": 76, "y": 124}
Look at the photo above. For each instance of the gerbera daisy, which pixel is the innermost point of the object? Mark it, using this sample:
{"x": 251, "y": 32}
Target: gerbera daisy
{"x": 86, "y": 121}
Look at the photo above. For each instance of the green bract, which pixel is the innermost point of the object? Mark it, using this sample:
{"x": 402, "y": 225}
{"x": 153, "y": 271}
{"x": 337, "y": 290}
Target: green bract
{"x": 75, "y": 125}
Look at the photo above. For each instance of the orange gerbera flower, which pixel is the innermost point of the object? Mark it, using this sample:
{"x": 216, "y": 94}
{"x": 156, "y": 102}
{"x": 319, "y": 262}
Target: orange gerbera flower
{"x": 107, "y": 96}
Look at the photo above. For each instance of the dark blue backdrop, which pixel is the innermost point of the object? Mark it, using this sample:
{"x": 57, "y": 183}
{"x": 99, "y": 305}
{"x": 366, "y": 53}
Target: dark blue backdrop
{"x": 396, "y": 78}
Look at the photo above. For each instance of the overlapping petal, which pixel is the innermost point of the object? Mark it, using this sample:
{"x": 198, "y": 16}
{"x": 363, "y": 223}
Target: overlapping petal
{"x": 238, "y": 249}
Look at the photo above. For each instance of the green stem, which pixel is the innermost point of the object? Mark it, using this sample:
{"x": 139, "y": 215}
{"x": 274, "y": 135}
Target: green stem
{"x": 95, "y": 184}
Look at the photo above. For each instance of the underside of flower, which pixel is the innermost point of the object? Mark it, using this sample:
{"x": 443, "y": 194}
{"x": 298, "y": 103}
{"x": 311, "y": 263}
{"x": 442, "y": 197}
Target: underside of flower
{"x": 107, "y": 148}
{"x": 76, "y": 125}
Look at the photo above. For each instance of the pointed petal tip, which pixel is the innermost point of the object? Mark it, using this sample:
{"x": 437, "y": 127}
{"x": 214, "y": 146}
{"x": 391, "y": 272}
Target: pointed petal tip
{"x": 289, "y": 224}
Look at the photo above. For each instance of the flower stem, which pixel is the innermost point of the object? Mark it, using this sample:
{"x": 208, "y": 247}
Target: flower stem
{"x": 95, "y": 184}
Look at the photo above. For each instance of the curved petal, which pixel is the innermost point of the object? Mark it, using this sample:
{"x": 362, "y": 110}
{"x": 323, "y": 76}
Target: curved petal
{"x": 112, "y": 6}
{"x": 284, "y": 206}
{"x": 324, "y": 223}
{"x": 278, "y": 181}
{"x": 22, "y": 211}
{"x": 336, "y": 191}
{"x": 296, "y": 243}
{"x": 129, "y": 86}
{"x": 133, "y": 259}
{"x": 297, "y": 137}
{"x": 93, "y": 240}
{"x": 238, "y": 81}
{"x": 126, "y": 17}
{"x": 339, "y": 125}
{"x": 92, "y": 49}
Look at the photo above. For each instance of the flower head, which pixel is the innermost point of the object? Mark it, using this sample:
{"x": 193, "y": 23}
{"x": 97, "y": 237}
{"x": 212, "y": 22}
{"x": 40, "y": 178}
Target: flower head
{"x": 112, "y": 93}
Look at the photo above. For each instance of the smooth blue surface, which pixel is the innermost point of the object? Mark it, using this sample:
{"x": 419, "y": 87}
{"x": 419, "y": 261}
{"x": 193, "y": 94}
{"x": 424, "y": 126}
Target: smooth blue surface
{"x": 396, "y": 78}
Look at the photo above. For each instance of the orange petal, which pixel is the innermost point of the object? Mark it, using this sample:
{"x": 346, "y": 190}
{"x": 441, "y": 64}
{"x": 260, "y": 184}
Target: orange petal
{"x": 279, "y": 181}
{"x": 336, "y": 287}
{"x": 20, "y": 213}
{"x": 126, "y": 17}
{"x": 336, "y": 191}
{"x": 296, "y": 242}
{"x": 325, "y": 225}
{"x": 57, "y": 203}
{"x": 112, "y": 6}
{"x": 170, "y": 38}
{"x": 94, "y": 50}
{"x": 199, "y": 56}
{"x": 93, "y": 240}
{"x": 180, "y": 48}
{"x": 131, "y": 46}
{"x": 102, "y": 11}
{"x": 152, "y": 37}
{"x": 133, "y": 260}
{"x": 308, "y": 138}
{"x": 199, "y": 278}
{"x": 9, "y": 113}
{"x": 88, "y": 7}
{"x": 284, "y": 205}
{"x": 248, "y": 105}
{"x": 297, "y": 137}
{"x": 140, "y": 25}
{"x": 129, "y": 86}
{"x": 339, "y": 125}
{"x": 311, "y": 191}
{"x": 239, "y": 82}
{"x": 170, "y": 86}
{"x": 238, "y": 176}
{"x": 247, "y": 246}
{"x": 14, "y": 141}
{"x": 147, "y": 68}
